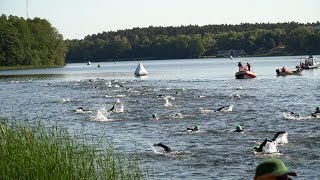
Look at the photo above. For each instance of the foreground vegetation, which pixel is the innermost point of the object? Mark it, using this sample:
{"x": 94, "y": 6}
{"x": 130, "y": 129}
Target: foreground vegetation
{"x": 36, "y": 152}
{"x": 30, "y": 42}
{"x": 197, "y": 41}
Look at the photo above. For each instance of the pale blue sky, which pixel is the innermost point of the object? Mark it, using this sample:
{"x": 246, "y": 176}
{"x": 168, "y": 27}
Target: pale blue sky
{"x": 78, "y": 18}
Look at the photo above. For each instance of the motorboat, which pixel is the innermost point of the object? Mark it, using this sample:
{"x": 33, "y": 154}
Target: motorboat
{"x": 140, "y": 70}
{"x": 309, "y": 63}
{"x": 245, "y": 72}
{"x": 285, "y": 72}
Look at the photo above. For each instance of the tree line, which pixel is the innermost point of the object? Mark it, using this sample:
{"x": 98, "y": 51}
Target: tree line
{"x": 33, "y": 42}
{"x": 195, "y": 41}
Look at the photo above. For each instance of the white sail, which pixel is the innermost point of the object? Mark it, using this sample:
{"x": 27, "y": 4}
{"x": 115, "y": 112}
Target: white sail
{"x": 140, "y": 70}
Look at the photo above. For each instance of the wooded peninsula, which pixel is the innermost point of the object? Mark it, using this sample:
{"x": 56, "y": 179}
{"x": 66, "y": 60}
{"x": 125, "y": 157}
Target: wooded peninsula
{"x": 31, "y": 43}
{"x": 36, "y": 43}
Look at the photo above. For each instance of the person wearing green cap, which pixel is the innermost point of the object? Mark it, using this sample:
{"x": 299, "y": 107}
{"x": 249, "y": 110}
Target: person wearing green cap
{"x": 196, "y": 128}
{"x": 273, "y": 169}
{"x": 238, "y": 129}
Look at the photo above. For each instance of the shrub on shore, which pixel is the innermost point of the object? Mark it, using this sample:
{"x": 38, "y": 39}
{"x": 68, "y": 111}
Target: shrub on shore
{"x": 31, "y": 151}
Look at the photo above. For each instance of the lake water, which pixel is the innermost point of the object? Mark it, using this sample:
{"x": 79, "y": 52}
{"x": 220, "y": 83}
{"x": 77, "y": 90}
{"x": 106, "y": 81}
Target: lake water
{"x": 199, "y": 86}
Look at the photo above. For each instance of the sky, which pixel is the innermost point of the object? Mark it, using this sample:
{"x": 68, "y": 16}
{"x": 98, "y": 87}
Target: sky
{"x": 76, "y": 19}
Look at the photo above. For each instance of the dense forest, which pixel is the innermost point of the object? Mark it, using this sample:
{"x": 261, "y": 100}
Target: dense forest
{"x": 34, "y": 42}
{"x": 31, "y": 42}
{"x": 196, "y": 41}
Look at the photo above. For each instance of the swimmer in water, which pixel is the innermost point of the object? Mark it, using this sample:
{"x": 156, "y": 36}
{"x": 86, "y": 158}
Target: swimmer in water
{"x": 281, "y": 137}
{"x": 196, "y": 128}
{"x": 278, "y": 135}
{"x": 317, "y": 112}
{"x": 238, "y": 129}
{"x": 225, "y": 108}
{"x": 295, "y": 114}
{"x": 81, "y": 110}
{"x": 166, "y": 148}
{"x": 262, "y": 145}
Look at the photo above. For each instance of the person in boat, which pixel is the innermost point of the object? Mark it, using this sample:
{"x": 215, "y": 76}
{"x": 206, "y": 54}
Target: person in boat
{"x": 249, "y": 66}
{"x": 238, "y": 129}
{"x": 283, "y": 69}
{"x": 240, "y": 66}
{"x": 166, "y": 148}
{"x": 195, "y": 128}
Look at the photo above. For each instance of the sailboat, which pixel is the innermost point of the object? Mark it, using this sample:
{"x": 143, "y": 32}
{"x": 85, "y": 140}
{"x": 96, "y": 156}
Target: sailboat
{"x": 89, "y": 63}
{"x": 140, "y": 70}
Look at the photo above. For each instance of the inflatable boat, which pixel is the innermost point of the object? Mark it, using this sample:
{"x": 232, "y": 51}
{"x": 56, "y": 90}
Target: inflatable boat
{"x": 243, "y": 74}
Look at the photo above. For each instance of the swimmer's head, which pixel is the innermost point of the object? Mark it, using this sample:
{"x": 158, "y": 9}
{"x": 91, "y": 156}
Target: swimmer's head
{"x": 196, "y": 127}
{"x": 238, "y": 128}
{"x": 256, "y": 147}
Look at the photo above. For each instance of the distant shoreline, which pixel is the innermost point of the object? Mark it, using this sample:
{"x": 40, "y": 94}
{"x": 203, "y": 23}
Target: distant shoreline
{"x": 21, "y": 67}
{"x": 4, "y": 68}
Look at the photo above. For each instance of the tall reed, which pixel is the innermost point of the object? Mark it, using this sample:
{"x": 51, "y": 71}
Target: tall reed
{"x": 31, "y": 151}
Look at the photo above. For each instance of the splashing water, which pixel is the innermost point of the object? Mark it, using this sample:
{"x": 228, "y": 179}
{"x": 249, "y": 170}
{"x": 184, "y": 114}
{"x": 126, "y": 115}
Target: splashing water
{"x": 171, "y": 154}
{"x": 292, "y": 117}
{"x": 167, "y": 103}
{"x": 282, "y": 139}
{"x": 153, "y": 148}
{"x": 270, "y": 147}
{"x": 101, "y": 116}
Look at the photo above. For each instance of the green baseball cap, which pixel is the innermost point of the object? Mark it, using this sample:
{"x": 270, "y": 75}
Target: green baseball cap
{"x": 274, "y": 167}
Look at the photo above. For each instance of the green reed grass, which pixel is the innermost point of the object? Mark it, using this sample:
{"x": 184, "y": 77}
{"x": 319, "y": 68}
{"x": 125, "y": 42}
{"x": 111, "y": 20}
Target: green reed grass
{"x": 31, "y": 151}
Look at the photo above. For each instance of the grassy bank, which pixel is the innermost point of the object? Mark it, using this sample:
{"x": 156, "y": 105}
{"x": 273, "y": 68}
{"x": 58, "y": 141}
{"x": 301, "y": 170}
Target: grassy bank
{"x": 36, "y": 152}
{"x": 27, "y": 67}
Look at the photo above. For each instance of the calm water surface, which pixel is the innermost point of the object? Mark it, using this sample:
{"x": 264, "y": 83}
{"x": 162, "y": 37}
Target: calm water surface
{"x": 216, "y": 151}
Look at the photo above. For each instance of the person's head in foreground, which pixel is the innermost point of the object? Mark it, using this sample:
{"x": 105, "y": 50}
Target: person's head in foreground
{"x": 273, "y": 169}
